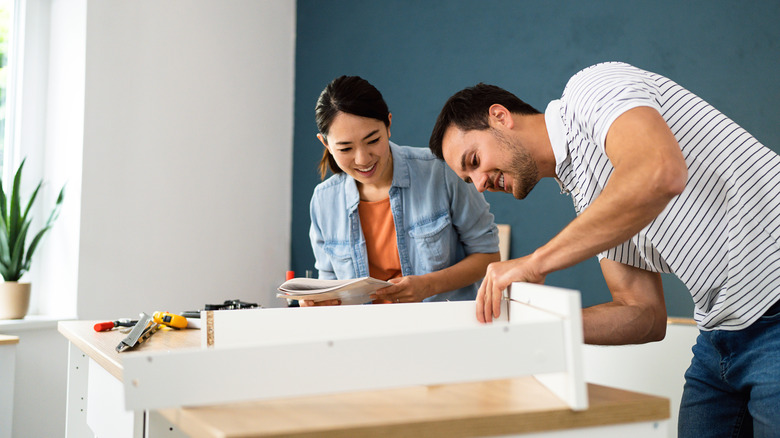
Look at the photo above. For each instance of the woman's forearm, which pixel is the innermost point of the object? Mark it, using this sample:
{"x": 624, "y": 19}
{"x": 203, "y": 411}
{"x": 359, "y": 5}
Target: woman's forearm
{"x": 467, "y": 271}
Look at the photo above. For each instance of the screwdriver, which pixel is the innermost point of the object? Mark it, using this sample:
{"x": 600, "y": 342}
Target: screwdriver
{"x": 103, "y": 326}
{"x": 170, "y": 319}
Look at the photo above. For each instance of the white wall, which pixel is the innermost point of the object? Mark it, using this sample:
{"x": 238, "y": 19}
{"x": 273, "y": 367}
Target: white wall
{"x": 187, "y": 165}
{"x": 185, "y": 108}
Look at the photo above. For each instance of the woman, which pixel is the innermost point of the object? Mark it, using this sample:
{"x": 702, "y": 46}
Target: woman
{"x": 392, "y": 212}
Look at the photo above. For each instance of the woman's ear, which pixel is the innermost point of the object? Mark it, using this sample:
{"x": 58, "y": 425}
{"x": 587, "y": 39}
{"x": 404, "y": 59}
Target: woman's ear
{"x": 389, "y": 123}
{"x": 323, "y": 140}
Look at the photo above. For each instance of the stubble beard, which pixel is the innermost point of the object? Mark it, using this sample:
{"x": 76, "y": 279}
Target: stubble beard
{"x": 523, "y": 168}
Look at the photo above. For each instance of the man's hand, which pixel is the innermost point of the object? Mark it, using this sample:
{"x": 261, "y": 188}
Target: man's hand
{"x": 409, "y": 289}
{"x": 498, "y": 277}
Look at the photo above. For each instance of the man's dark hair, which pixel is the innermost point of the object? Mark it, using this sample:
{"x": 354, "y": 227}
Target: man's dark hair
{"x": 468, "y": 110}
{"x": 352, "y": 95}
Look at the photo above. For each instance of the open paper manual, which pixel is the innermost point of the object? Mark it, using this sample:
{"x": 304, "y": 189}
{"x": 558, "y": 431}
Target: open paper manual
{"x": 354, "y": 291}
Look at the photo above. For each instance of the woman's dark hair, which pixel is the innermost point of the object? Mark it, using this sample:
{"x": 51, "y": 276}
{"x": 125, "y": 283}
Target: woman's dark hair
{"x": 351, "y": 95}
{"x": 468, "y": 110}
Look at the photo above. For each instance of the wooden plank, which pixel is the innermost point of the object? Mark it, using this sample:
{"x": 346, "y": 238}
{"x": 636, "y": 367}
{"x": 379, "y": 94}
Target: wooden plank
{"x": 504, "y": 240}
{"x": 680, "y": 321}
{"x": 8, "y": 340}
{"x": 497, "y": 407}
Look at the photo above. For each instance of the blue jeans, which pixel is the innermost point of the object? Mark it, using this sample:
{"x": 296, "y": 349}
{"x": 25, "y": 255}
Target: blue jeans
{"x": 732, "y": 388}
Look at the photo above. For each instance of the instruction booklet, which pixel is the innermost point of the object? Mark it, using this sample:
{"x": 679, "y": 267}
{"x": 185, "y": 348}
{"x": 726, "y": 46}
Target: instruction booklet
{"x": 353, "y": 291}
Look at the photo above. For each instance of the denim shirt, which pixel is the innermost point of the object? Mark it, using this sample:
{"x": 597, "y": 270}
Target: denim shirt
{"x": 439, "y": 220}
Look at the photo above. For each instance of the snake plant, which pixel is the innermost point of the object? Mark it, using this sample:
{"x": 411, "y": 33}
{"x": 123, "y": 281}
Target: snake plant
{"x": 14, "y": 226}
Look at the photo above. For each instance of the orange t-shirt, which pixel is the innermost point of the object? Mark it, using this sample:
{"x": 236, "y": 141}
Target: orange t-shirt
{"x": 376, "y": 220}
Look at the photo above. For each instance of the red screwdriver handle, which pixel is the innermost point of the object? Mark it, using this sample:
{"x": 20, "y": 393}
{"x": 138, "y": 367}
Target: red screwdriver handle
{"x": 103, "y": 326}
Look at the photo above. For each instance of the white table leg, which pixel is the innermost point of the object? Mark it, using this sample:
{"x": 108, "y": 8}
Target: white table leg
{"x": 76, "y": 408}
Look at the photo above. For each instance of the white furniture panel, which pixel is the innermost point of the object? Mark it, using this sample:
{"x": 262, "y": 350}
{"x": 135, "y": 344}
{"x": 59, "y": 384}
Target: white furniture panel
{"x": 352, "y": 348}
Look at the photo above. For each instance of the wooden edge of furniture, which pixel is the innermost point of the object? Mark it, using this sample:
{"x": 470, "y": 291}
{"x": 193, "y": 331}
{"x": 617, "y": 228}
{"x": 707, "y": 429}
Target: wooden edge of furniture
{"x": 8, "y": 340}
{"x": 499, "y": 407}
{"x": 101, "y": 346}
{"x": 680, "y": 321}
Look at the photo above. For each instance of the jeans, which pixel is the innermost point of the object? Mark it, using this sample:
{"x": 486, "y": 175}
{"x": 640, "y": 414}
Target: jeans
{"x": 732, "y": 388}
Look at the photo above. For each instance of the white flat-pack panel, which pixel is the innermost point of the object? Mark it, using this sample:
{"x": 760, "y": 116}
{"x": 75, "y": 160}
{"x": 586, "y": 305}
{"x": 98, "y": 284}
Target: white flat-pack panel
{"x": 280, "y": 353}
{"x": 570, "y": 384}
{"x": 341, "y": 364}
{"x": 231, "y": 328}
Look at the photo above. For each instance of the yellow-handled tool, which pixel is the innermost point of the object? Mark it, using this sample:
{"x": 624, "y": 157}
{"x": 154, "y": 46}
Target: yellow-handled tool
{"x": 170, "y": 319}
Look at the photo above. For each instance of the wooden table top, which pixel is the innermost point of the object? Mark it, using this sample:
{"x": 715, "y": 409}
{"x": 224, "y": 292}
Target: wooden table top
{"x": 499, "y": 407}
{"x": 8, "y": 340}
{"x": 508, "y": 406}
{"x": 101, "y": 346}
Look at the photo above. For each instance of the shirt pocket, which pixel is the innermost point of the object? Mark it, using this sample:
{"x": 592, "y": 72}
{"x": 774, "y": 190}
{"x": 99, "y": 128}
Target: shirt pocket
{"x": 340, "y": 258}
{"x": 433, "y": 244}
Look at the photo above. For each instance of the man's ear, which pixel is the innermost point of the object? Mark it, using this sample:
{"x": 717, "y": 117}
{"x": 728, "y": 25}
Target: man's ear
{"x": 499, "y": 115}
{"x": 324, "y": 141}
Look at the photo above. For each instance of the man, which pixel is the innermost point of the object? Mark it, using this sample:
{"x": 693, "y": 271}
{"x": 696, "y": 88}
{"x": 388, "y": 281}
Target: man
{"x": 662, "y": 182}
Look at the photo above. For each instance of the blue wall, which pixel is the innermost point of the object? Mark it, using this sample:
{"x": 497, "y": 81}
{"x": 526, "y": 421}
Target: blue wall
{"x": 418, "y": 53}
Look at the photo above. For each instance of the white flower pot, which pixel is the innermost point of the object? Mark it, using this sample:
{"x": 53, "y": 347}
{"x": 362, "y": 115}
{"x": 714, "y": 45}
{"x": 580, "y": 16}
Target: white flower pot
{"x": 14, "y": 299}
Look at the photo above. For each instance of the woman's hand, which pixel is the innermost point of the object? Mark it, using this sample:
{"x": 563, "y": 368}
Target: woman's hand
{"x": 310, "y": 303}
{"x": 410, "y": 289}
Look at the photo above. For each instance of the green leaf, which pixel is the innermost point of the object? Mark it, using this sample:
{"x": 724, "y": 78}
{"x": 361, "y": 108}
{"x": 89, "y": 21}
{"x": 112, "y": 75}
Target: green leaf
{"x": 14, "y": 226}
{"x": 5, "y": 252}
{"x": 55, "y": 213}
{"x": 3, "y": 203}
{"x": 17, "y": 253}
{"x": 32, "y": 199}
{"x": 13, "y": 223}
{"x": 33, "y": 246}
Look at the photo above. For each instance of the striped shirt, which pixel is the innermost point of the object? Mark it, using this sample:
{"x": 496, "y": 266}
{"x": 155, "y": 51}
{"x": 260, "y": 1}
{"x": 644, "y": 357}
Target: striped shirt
{"x": 721, "y": 236}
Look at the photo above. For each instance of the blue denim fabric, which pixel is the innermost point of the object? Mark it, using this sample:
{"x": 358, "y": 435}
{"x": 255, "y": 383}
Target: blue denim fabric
{"x": 439, "y": 220}
{"x": 732, "y": 388}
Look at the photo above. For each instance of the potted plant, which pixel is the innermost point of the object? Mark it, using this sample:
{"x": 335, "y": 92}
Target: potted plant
{"x": 15, "y": 254}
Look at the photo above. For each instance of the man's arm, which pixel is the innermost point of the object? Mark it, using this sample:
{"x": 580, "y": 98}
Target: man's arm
{"x": 649, "y": 170}
{"x": 637, "y": 313}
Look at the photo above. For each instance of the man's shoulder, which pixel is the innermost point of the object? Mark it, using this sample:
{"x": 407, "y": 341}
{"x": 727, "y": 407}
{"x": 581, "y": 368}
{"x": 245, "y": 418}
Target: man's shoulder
{"x": 601, "y": 72}
{"x": 602, "y": 67}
